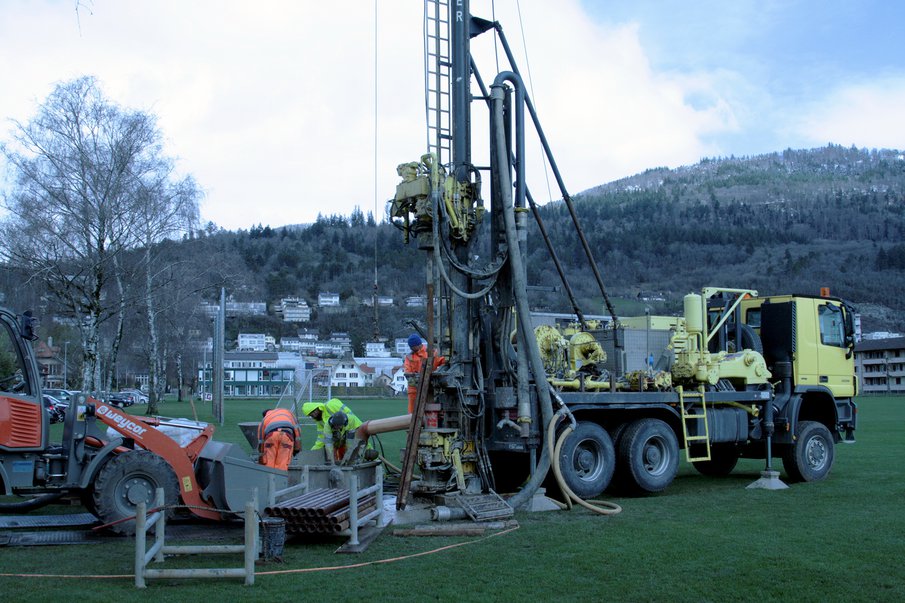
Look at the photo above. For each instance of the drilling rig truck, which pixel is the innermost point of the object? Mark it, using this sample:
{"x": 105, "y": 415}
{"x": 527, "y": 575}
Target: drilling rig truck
{"x": 742, "y": 375}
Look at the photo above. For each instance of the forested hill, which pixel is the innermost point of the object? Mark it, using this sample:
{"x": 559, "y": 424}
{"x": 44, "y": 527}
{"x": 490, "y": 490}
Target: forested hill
{"x": 788, "y": 222}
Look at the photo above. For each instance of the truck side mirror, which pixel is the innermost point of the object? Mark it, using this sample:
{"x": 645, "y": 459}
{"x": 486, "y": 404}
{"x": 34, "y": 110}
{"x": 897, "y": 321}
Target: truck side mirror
{"x": 27, "y": 326}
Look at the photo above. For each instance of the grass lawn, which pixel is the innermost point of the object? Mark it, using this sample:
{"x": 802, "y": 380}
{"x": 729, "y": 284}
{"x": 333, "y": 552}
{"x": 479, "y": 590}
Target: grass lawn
{"x": 704, "y": 539}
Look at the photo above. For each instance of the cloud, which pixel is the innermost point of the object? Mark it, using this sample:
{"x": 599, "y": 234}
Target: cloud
{"x": 607, "y": 112}
{"x": 865, "y": 114}
{"x": 272, "y": 107}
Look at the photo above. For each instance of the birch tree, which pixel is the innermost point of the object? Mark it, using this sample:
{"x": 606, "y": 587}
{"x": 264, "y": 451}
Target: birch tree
{"x": 82, "y": 168}
{"x": 165, "y": 209}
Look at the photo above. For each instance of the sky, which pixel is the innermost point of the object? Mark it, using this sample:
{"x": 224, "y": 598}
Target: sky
{"x": 286, "y": 109}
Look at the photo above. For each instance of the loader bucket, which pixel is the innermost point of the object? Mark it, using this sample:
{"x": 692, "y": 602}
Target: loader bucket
{"x": 250, "y": 431}
{"x": 229, "y": 476}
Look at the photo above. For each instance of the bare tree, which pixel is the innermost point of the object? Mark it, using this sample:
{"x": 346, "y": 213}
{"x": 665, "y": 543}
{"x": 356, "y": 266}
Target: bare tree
{"x": 166, "y": 209}
{"x": 85, "y": 170}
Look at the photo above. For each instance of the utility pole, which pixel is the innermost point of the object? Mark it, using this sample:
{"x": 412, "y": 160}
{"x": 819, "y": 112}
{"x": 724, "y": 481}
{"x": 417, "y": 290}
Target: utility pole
{"x": 217, "y": 368}
{"x": 65, "y": 365}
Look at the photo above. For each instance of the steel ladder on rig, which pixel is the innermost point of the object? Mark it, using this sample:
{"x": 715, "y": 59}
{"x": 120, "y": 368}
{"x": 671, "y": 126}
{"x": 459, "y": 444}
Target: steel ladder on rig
{"x": 686, "y": 401}
{"x": 437, "y": 68}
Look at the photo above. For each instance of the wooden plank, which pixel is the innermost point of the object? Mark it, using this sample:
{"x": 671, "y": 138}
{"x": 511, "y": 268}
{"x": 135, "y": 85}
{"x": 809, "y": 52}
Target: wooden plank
{"x": 414, "y": 432}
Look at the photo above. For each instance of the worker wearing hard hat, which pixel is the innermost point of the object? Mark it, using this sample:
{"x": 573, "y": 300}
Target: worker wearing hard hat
{"x": 342, "y": 434}
{"x": 412, "y": 366}
{"x": 321, "y": 413}
{"x": 279, "y": 438}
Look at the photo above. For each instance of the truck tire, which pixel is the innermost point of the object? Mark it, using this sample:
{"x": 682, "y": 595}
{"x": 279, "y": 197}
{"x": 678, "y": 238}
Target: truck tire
{"x": 128, "y": 479}
{"x": 587, "y": 460}
{"x": 810, "y": 457}
{"x": 648, "y": 455}
{"x": 723, "y": 460}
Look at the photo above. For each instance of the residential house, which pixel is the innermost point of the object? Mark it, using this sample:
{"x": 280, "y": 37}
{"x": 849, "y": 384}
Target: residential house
{"x": 234, "y": 308}
{"x": 251, "y": 375}
{"x": 880, "y": 365}
{"x": 348, "y": 374}
{"x": 376, "y": 349}
{"x": 327, "y": 300}
{"x": 343, "y": 340}
{"x": 50, "y": 364}
{"x": 401, "y": 347}
{"x": 252, "y": 342}
{"x": 395, "y": 381}
{"x": 290, "y": 344}
{"x": 382, "y": 301}
{"x": 295, "y": 309}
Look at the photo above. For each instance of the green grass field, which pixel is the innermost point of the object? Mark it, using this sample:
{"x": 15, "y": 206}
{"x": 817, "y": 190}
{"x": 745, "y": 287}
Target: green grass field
{"x": 704, "y": 539}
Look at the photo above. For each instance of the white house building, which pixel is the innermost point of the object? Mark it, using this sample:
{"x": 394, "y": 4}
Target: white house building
{"x": 290, "y": 344}
{"x": 252, "y": 342}
{"x": 348, "y": 374}
{"x": 327, "y": 299}
{"x": 252, "y": 375}
{"x": 295, "y": 309}
{"x": 376, "y": 349}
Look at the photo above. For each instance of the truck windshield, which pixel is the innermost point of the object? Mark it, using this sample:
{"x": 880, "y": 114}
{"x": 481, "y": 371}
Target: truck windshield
{"x": 12, "y": 371}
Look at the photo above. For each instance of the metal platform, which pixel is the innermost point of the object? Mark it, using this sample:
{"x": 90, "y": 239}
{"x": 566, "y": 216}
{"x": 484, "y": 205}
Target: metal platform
{"x": 55, "y": 537}
{"x": 484, "y": 507}
{"x": 47, "y": 521}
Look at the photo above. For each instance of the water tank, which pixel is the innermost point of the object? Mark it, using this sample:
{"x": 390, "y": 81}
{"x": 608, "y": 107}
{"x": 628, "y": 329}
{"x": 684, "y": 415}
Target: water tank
{"x": 694, "y": 313}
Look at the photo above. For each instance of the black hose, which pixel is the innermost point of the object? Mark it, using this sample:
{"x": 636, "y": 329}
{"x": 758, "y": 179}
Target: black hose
{"x": 519, "y": 285}
{"x": 32, "y": 503}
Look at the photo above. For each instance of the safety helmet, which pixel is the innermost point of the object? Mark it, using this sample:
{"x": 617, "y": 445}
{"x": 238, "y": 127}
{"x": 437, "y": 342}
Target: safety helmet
{"x": 309, "y": 407}
{"x": 414, "y": 340}
{"x": 338, "y": 420}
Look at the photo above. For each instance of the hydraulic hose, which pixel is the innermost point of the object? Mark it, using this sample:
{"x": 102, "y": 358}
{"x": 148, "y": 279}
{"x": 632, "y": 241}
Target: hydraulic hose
{"x": 519, "y": 283}
{"x": 601, "y": 507}
{"x": 32, "y": 503}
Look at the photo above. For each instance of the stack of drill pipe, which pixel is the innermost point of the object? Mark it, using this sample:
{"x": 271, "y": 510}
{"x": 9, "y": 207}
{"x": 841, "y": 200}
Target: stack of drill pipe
{"x": 324, "y": 511}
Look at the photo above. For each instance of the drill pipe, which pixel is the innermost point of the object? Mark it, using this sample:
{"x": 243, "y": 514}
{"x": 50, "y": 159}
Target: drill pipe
{"x": 375, "y": 426}
{"x": 344, "y": 512}
{"x": 333, "y": 506}
{"x": 332, "y": 502}
{"x": 299, "y": 504}
{"x": 337, "y": 522}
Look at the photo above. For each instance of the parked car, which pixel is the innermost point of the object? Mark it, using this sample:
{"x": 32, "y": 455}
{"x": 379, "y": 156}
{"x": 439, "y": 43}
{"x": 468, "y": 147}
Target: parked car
{"x": 63, "y": 395}
{"x": 120, "y": 399}
{"x": 55, "y": 408}
{"x": 137, "y": 396}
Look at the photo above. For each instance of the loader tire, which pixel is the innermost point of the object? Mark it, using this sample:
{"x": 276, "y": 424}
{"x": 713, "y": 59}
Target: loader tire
{"x": 128, "y": 479}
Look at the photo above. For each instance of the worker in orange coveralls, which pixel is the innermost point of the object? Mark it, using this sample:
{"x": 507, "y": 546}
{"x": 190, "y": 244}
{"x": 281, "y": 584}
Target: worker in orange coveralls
{"x": 279, "y": 437}
{"x": 412, "y": 366}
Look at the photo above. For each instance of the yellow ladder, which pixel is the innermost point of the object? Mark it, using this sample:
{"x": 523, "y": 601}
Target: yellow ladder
{"x": 687, "y": 399}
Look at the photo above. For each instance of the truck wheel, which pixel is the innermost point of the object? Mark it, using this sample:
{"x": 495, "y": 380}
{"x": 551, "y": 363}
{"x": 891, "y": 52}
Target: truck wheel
{"x": 723, "y": 460}
{"x": 587, "y": 460}
{"x": 128, "y": 479}
{"x": 810, "y": 458}
{"x": 648, "y": 455}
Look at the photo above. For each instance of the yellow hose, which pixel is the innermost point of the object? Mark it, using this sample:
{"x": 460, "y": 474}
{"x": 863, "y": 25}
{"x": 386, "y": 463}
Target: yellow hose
{"x": 597, "y": 506}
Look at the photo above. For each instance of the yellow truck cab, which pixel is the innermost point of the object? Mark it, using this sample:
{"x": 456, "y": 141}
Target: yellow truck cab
{"x": 808, "y": 345}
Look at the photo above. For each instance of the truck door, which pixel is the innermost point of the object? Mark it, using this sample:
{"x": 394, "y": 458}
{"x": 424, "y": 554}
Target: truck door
{"x": 834, "y": 360}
